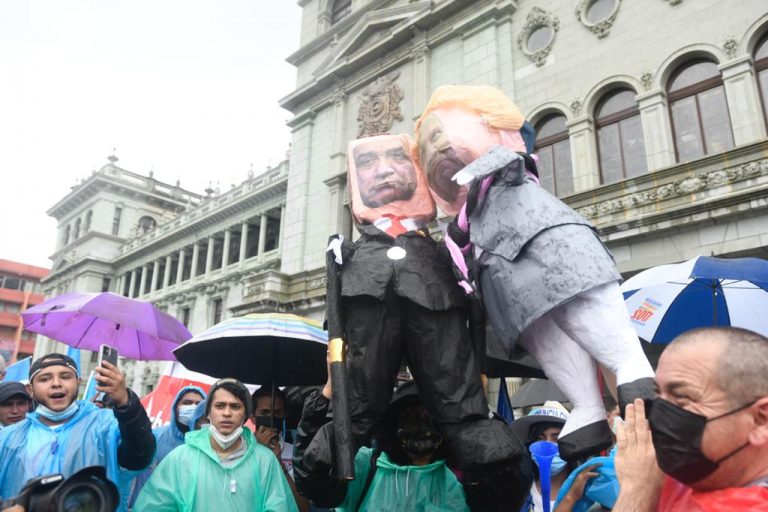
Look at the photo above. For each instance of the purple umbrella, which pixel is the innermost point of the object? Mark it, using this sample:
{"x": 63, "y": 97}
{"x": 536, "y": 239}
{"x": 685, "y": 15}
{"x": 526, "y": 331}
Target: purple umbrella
{"x": 87, "y": 320}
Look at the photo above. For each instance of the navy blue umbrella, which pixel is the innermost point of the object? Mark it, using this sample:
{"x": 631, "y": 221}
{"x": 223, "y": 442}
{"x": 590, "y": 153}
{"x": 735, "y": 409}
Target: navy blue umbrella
{"x": 666, "y": 301}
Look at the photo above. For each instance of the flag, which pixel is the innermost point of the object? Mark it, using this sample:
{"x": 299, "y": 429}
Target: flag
{"x": 90, "y": 387}
{"x": 19, "y": 371}
{"x": 504, "y": 407}
{"x": 74, "y": 353}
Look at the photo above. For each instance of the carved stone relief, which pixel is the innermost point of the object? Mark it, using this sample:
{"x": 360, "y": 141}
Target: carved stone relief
{"x": 681, "y": 187}
{"x": 601, "y": 27}
{"x": 730, "y": 46}
{"x": 646, "y": 78}
{"x": 536, "y": 19}
{"x": 380, "y": 106}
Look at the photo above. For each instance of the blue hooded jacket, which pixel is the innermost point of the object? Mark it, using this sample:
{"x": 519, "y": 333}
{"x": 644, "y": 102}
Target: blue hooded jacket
{"x": 30, "y": 449}
{"x": 168, "y": 437}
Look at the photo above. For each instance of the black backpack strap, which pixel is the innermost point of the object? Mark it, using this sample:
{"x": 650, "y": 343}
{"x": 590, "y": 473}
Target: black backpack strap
{"x": 369, "y": 478}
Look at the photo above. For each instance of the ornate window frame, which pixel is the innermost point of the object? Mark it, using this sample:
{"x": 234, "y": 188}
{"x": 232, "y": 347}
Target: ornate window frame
{"x": 602, "y": 27}
{"x": 536, "y": 19}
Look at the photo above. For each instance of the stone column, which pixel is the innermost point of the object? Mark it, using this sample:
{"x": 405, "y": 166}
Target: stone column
{"x": 195, "y": 258}
{"x": 743, "y": 101}
{"x": 421, "y": 88}
{"x": 119, "y": 285}
{"x": 180, "y": 269}
{"x": 225, "y": 250}
{"x": 167, "y": 274}
{"x": 143, "y": 282}
{"x": 209, "y": 255}
{"x": 583, "y": 154}
{"x": 132, "y": 284}
{"x": 155, "y": 272}
{"x": 336, "y": 187}
{"x": 262, "y": 236}
{"x": 657, "y": 130}
{"x": 243, "y": 242}
{"x": 282, "y": 224}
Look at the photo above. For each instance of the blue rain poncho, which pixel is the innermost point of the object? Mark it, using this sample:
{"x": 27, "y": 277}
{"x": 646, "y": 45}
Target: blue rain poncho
{"x": 431, "y": 488}
{"x": 30, "y": 449}
{"x": 602, "y": 489}
{"x": 167, "y": 437}
{"x": 192, "y": 479}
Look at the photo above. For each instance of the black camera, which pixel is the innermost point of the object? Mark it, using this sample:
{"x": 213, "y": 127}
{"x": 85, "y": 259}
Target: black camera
{"x": 88, "y": 490}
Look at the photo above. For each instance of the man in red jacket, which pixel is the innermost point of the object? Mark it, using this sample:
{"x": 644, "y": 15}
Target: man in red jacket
{"x": 707, "y": 430}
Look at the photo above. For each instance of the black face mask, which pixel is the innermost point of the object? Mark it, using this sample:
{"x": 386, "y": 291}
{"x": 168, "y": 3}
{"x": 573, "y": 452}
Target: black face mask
{"x": 270, "y": 422}
{"x": 419, "y": 438}
{"x": 677, "y": 435}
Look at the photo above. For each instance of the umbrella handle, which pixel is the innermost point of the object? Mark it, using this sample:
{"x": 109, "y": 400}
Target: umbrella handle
{"x": 342, "y": 424}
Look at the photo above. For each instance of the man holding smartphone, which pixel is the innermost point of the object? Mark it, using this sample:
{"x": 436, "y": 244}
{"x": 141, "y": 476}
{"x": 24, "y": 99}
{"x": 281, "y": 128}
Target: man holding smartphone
{"x": 64, "y": 435}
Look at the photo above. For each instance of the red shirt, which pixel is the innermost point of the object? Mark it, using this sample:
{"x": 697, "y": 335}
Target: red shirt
{"x": 678, "y": 497}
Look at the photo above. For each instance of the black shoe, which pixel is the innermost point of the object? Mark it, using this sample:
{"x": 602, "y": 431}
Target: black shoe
{"x": 585, "y": 442}
{"x": 641, "y": 388}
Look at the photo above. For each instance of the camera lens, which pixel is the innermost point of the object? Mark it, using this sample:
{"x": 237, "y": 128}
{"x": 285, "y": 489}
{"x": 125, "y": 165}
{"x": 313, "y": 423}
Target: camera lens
{"x": 84, "y": 497}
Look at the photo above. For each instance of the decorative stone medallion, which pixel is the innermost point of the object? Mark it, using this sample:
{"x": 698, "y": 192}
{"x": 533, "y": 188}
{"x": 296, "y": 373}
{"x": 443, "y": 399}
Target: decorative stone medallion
{"x": 532, "y": 39}
{"x": 599, "y": 27}
{"x": 380, "y": 106}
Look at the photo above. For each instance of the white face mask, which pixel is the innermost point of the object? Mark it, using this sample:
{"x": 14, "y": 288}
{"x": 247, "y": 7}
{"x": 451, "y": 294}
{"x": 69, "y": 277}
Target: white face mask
{"x": 225, "y": 441}
{"x": 185, "y": 414}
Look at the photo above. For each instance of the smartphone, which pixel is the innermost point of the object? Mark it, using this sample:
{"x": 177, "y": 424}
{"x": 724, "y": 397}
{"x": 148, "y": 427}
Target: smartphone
{"x": 108, "y": 353}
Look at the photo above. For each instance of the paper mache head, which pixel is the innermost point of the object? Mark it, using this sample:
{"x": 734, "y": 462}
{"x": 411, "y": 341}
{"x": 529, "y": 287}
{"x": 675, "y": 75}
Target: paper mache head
{"x": 460, "y": 123}
{"x": 385, "y": 180}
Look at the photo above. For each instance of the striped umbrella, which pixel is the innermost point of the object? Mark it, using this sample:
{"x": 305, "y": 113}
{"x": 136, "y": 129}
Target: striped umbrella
{"x": 260, "y": 348}
{"x": 668, "y": 300}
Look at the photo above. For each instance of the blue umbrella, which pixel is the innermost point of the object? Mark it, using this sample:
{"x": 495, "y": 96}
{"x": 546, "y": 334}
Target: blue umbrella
{"x": 666, "y": 301}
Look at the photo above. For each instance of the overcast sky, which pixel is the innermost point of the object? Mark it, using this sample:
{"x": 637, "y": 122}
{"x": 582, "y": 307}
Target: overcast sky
{"x": 188, "y": 89}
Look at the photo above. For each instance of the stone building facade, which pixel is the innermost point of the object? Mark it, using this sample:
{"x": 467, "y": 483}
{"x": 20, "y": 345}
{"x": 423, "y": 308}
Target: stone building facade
{"x": 651, "y": 116}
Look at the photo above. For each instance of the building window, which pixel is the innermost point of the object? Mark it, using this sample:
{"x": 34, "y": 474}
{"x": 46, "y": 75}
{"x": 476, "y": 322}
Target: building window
{"x": 185, "y": 316}
{"x": 554, "y": 150}
{"x": 88, "y": 220}
{"x": 217, "y": 310}
{"x": 540, "y": 38}
{"x": 67, "y": 232}
{"x": 699, "y": 111}
{"x": 599, "y": 10}
{"x": 272, "y": 238}
{"x": 77, "y": 229}
{"x": 761, "y": 68}
{"x": 620, "y": 141}
{"x": 146, "y": 224}
{"x": 116, "y": 220}
{"x": 106, "y": 283}
{"x": 340, "y": 9}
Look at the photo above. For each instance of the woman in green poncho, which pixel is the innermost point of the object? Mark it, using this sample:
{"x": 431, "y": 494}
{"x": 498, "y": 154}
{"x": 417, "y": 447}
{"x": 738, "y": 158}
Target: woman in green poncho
{"x": 406, "y": 472}
{"x": 221, "y": 467}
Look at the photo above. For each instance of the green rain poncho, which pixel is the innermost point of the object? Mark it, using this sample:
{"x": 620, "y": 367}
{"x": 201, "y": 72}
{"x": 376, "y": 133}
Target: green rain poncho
{"x": 430, "y": 488}
{"x": 192, "y": 479}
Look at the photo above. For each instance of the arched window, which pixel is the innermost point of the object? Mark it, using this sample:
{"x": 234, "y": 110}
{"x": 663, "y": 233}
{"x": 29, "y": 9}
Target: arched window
{"x": 761, "y": 68}
{"x": 620, "y": 143}
{"x": 146, "y": 223}
{"x": 700, "y": 121}
{"x": 340, "y": 9}
{"x": 77, "y": 229}
{"x": 554, "y": 149}
{"x": 88, "y": 220}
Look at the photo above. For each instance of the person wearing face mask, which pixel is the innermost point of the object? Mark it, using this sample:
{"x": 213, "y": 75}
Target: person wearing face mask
{"x": 221, "y": 467}
{"x": 64, "y": 435}
{"x": 171, "y": 435}
{"x": 405, "y": 471}
{"x": 543, "y": 423}
{"x": 704, "y": 445}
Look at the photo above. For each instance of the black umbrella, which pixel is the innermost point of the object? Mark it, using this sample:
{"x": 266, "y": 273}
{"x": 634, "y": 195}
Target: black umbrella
{"x": 536, "y": 392}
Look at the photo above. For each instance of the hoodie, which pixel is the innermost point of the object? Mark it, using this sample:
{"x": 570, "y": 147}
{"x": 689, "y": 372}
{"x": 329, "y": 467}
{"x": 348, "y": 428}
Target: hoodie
{"x": 167, "y": 437}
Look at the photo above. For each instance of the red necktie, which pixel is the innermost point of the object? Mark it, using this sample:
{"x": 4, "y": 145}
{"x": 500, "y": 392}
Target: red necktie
{"x": 395, "y": 228}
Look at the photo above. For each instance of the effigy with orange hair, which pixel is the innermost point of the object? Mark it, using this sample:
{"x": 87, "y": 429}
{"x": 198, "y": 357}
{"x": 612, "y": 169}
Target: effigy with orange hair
{"x": 546, "y": 280}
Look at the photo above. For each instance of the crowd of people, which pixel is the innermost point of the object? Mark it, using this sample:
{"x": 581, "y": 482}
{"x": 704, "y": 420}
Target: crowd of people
{"x": 701, "y": 444}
